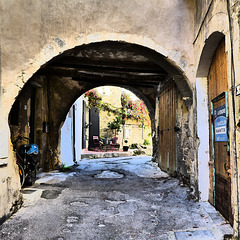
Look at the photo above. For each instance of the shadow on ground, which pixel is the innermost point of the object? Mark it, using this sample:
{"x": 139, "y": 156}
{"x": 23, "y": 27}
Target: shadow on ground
{"x": 119, "y": 198}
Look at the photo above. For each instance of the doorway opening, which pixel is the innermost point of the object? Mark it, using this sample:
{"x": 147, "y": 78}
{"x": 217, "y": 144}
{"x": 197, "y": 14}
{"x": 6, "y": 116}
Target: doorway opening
{"x": 212, "y": 89}
{"x": 106, "y": 121}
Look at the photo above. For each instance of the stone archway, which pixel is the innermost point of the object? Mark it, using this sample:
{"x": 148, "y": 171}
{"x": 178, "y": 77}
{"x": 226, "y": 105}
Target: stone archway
{"x": 57, "y": 46}
{"x": 212, "y": 94}
{"x": 65, "y": 77}
{"x": 202, "y": 108}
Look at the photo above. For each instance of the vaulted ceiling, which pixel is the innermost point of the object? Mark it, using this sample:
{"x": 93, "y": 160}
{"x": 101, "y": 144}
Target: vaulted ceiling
{"x": 107, "y": 63}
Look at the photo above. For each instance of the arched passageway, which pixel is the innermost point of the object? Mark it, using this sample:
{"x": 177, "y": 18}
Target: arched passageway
{"x": 214, "y": 131}
{"x": 45, "y": 99}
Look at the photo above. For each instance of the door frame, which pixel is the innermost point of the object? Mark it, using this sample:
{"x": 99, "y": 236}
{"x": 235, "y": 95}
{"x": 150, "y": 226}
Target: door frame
{"x": 220, "y": 96}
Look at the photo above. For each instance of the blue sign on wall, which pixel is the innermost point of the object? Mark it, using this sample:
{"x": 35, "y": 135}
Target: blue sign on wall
{"x": 220, "y": 124}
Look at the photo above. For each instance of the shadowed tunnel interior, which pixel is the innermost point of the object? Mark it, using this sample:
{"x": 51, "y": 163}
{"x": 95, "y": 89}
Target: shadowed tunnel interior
{"x": 43, "y": 103}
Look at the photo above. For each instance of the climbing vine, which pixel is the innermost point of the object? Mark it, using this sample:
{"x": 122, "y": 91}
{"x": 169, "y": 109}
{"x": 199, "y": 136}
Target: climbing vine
{"x": 136, "y": 110}
{"x": 129, "y": 110}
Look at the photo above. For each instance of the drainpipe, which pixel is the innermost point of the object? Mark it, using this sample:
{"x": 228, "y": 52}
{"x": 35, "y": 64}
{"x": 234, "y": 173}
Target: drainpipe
{"x": 233, "y": 78}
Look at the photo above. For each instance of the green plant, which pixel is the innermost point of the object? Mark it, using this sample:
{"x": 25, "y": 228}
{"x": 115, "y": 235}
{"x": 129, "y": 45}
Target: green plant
{"x": 115, "y": 124}
{"x": 133, "y": 110}
{"x": 94, "y": 100}
{"x": 146, "y": 142}
{"x": 62, "y": 168}
{"x": 133, "y": 146}
{"x": 138, "y": 152}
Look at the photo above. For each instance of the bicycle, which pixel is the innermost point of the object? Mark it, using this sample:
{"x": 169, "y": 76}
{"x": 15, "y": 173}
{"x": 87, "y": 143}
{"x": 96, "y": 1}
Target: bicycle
{"x": 27, "y": 161}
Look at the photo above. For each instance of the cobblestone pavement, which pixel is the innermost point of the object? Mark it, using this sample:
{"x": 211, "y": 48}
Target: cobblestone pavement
{"x": 117, "y": 198}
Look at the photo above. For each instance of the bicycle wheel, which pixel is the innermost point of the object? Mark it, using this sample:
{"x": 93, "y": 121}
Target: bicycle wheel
{"x": 31, "y": 177}
{"x": 21, "y": 174}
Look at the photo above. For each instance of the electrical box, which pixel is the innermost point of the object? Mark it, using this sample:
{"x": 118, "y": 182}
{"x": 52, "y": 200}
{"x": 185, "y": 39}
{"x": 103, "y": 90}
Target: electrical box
{"x": 46, "y": 127}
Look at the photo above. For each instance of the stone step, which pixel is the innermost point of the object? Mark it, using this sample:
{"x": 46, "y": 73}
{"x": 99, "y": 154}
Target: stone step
{"x": 106, "y": 154}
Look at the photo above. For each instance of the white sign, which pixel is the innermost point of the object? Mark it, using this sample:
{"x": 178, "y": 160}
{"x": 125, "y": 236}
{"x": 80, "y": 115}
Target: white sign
{"x": 238, "y": 90}
{"x": 3, "y": 144}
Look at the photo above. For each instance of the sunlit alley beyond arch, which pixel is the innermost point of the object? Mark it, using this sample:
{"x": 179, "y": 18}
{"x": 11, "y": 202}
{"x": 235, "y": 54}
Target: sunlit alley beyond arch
{"x": 99, "y": 117}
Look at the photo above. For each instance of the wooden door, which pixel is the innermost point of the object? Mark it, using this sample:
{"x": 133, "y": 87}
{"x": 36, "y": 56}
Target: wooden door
{"x": 167, "y": 135}
{"x": 93, "y": 126}
{"x": 84, "y": 128}
{"x": 220, "y": 174}
{"x": 221, "y": 155}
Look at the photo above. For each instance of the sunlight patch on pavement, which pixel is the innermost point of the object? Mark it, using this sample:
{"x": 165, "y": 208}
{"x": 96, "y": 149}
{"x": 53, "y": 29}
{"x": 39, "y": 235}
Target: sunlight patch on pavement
{"x": 142, "y": 166}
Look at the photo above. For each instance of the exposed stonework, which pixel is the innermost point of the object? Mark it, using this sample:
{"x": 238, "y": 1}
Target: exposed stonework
{"x": 10, "y": 196}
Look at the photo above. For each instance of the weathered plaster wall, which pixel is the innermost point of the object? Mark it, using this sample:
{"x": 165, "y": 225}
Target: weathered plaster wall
{"x": 217, "y": 20}
{"x": 200, "y": 12}
{"x": 10, "y": 196}
{"x": 33, "y": 32}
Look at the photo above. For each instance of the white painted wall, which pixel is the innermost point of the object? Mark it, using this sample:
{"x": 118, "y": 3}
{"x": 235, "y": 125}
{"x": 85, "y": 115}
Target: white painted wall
{"x": 78, "y": 128}
{"x": 4, "y": 143}
{"x": 4, "y": 137}
{"x": 66, "y": 141}
{"x": 203, "y": 134}
{"x": 67, "y": 135}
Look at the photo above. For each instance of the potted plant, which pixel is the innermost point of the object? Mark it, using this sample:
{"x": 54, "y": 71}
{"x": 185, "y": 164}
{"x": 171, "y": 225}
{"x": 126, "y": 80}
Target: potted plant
{"x": 125, "y": 147}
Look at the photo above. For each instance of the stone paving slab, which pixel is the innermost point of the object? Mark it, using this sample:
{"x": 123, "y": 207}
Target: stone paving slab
{"x": 93, "y": 155}
{"x": 195, "y": 235}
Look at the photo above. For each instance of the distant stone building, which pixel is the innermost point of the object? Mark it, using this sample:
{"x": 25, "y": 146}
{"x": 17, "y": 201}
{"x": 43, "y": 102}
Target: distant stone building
{"x": 130, "y": 131}
{"x": 76, "y": 131}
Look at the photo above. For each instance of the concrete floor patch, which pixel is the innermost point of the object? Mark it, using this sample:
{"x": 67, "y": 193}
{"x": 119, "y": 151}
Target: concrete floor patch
{"x": 79, "y": 204}
{"x": 50, "y": 194}
{"x": 72, "y": 219}
{"x": 109, "y": 174}
{"x": 127, "y": 208}
{"x": 28, "y": 191}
